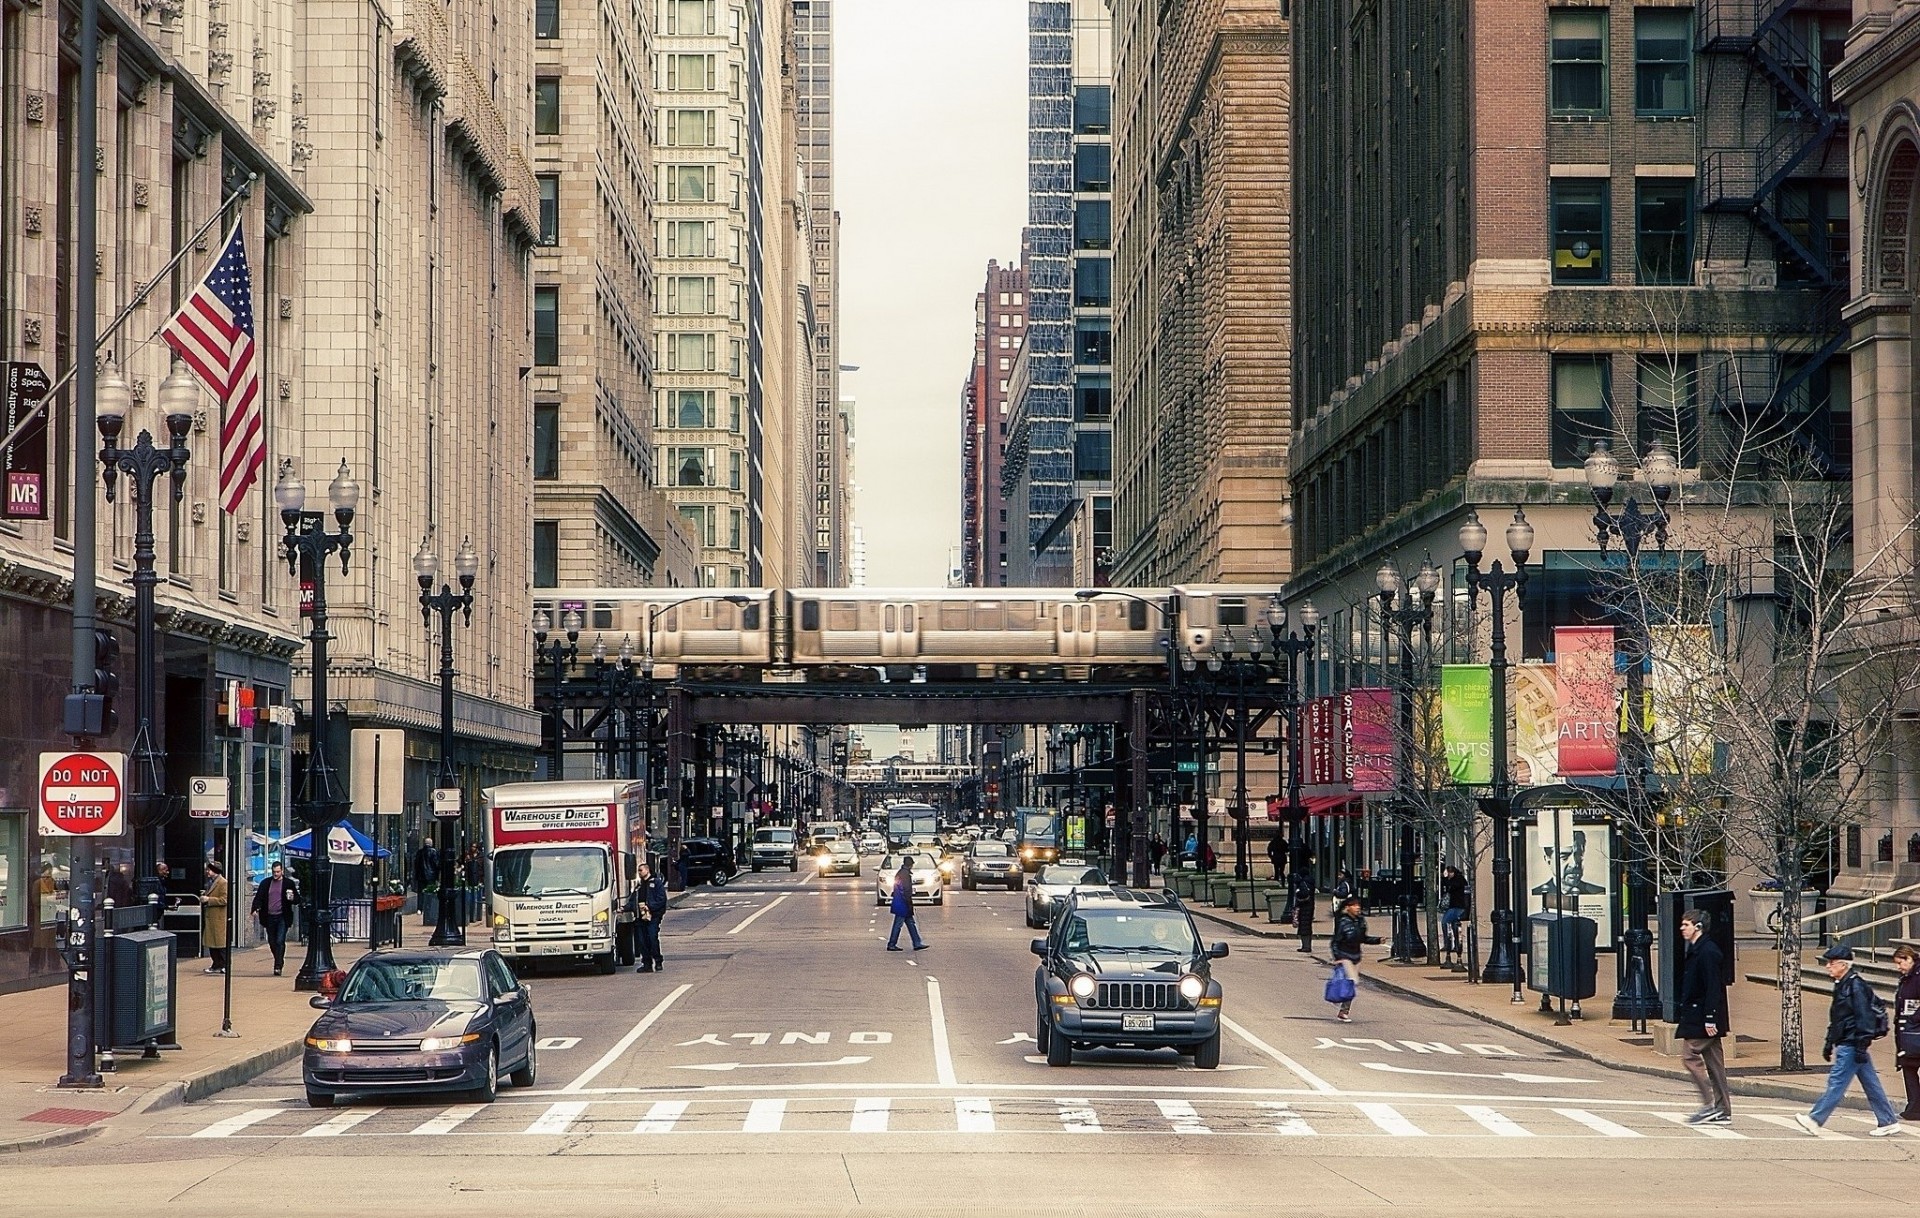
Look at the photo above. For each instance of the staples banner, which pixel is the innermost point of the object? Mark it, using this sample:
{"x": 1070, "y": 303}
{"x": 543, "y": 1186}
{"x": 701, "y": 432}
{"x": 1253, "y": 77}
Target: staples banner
{"x": 1370, "y": 737}
{"x": 1588, "y": 701}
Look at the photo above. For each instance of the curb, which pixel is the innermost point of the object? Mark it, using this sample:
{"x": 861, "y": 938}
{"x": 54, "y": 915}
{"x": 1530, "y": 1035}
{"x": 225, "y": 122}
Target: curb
{"x": 51, "y": 1139}
{"x": 197, "y": 1087}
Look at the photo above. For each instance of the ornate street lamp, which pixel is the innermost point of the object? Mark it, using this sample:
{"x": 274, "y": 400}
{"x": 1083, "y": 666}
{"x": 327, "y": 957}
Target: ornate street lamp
{"x": 1414, "y": 608}
{"x": 1294, "y": 646}
{"x": 559, "y": 656}
{"x": 451, "y": 929}
{"x": 307, "y": 546}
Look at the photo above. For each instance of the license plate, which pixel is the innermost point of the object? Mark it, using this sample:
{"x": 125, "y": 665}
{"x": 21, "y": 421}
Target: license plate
{"x": 1136, "y": 1023}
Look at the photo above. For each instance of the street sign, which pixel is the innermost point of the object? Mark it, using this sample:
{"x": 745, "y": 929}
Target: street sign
{"x": 24, "y": 459}
{"x": 446, "y": 802}
{"x": 82, "y": 794}
{"x": 207, "y": 798}
{"x": 1193, "y": 767}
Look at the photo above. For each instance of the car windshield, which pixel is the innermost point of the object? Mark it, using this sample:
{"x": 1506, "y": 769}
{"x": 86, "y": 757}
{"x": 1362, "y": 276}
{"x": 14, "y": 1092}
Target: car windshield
{"x": 995, "y": 850}
{"x": 410, "y": 980}
{"x": 775, "y": 837}
{"x": 1154, "y": 931}
{"x": 921, "y": 862}
{"x": 549, "y": 871}
{"x": 1074, "y": 874}
{"x": 840, "y": 848}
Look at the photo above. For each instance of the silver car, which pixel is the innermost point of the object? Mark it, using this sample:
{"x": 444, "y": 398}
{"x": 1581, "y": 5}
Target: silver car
{"x": 1049, "y": 887}
{"x": 927, "y": 884}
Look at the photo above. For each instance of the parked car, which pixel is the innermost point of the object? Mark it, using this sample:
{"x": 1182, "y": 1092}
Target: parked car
{"x": 706, "y": 857}
{"x": 1051, "y": 884}
{"x": 839, "y": 858}
{"x": 927, "y": 885}
{"x": 1125, "y": 969}
{"x": 422, "y": 1020}
{"x": 990, "y": 862}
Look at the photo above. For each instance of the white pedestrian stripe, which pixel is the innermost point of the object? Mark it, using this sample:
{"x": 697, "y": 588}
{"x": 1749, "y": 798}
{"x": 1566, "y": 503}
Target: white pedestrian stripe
{"x": 870, "y": 1115}
{"x": 1286, "y": 1121}
{"x": 661, "y": 1116}
{"x": 557, "y": 1117}
{"x": 764, "y": 1116}
{"x": 1598, "y": 1124}
{"x": 1387, "y": 1117}
{"x": 1183, "y": 1116}
{"x": 1787, "y": 1122}
{"x": 1498, "y": 1122}
{"x": 1076, "y": 1116}
{"x": 1710, "y": 1131}
{"x": 449, "y": 1120}
{"x": 340, "y": 1124}
{"x": 974, "y": 1116}
{"x": 234, "y": 1124}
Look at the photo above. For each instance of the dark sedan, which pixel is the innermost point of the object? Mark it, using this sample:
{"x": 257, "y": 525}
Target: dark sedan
{"x": 422, "y": 1021}
{"x": 990, "y": 862}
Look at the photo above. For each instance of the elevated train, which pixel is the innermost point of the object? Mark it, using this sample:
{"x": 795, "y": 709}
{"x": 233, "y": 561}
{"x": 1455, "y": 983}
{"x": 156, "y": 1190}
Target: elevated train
{"x": 933, "y": 634}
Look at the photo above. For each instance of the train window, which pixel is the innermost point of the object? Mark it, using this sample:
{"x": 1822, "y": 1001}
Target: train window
{"x": 843, "y": 615}
{"x": 1232, "y": 611}
{"x": 750, "y": 617}
{"x": 1136, "y": 615}
{"x": 952, "y": 616}
{"x": 989, "y": 615}
{"x": 602, "y": 616}
{"x": 1021, "y": 615}
{"x": 809, "y": 615}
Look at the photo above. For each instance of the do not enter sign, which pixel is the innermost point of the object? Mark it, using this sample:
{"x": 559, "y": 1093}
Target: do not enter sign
{"x": 82, "y": 795}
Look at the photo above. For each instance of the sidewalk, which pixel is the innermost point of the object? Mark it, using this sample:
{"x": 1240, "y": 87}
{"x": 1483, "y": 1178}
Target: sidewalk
{"x": 1754, "y": 1010}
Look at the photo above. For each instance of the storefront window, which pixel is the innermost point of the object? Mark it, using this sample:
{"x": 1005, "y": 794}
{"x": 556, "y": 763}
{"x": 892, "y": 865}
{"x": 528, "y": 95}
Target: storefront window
{"x": 14, "y": 876}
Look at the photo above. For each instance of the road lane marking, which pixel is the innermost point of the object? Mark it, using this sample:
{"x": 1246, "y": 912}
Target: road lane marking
{"x": 1182, "y": 1114}
{"x": 1498, "y": 1122}
{"x": 727, "y": 1066}
{"x": 1286, "y": 1121}
{"x": 942, "y": 1052}
{"x": 1387, "y": 1117}
{"x": 974, "y": 1115}
{"x": 661, "y": 1116}
{"x": 764, "y": 1116}
{"x": 759, "y": 913}
{"x": 870, "y": 1115}
{"x": 234, "y": 1124}
{"x": 1705, "y": 1131}
{"x": 1510, "y": 1075}
{"x": 557, "y": 1117}
{"x": 1078, "y": 1116}
{"x": 1301, "y": 1072}
{"x": 626, "y": 1042}
{"x": 1598, "y": 1124}
{"x": 447, "y": 1121}
{"x": 1787, "y": 1122}
{"x": 340, "y": 1124}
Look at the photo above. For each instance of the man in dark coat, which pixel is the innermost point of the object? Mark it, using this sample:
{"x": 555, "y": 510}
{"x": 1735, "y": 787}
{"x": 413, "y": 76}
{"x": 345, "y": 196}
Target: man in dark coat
{"x": 653, "y": 910}
{"x": 1850, "y": 1027}
{"x": 1301, "y": 893}
{"x": 426, "y": 867}
{"x": 902, "y": 906}
{"x": 1701, "y": 1021}
{"x": 274, "y": 901}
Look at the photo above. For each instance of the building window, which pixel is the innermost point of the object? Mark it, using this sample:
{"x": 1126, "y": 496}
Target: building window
{"x": 1093, "y": 455}
{"x": 733, "y": 531}
{"x": 1093, "y": 168}
{"x": 689, "y": 73}
{"x": 690, "y": 352}
{"x": 735, "y": 405}
{"x": 1092, "y": 110}
{"x": 692, "y": 408}
{"x": 689, "y": 17}
{"x": 689, "y": 128}
{"x": 1579, "y": 66}
{"x": 549, "y": 208}
{"x": 546, "y": 441}
{"x": 1092, "y": 283}
{"x": 1093, "y": 224}
{"x": 1579, "y": 207}
{"x": 733, "y": 470}
{"x": 546, "y": 327}
{"x": 1582, "y": 408}
{"x": 1665, "y": 409}
{"x": 546, "y": 105}
{"x": 689, "y": 184}
{"x": 690, "y": 238}
{"x": 546, "y": 553}
{"x": 733, "y": 357}
{"x": 1093, "y": 396}
{"x": 689, "y": 466}
{"x": 1663, "y": 61}
{"x": 693, "y": 294}
{"x": 546, "y": 18}
{"x": 1663, "y": 230}
{"x": 1092, "y": 341}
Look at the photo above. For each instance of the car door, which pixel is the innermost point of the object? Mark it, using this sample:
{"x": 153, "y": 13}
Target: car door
{"x": 513, "y": 1018}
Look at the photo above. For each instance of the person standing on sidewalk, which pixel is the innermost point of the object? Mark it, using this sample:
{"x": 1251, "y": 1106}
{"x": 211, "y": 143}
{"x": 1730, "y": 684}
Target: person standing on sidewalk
{"x": 1453, "y": 886}
{"x": 1349, "y": 936}
{"x": 1850, "y": 1034}
{"x": 1701, "y": 1021}
{"x": 902, "y": 906}
{"x": 273, "y": 903}
{"x": 213, "y": 919}
{"x": 1906, "y": 1028}
{"x": 653, "y": 910}
{"x": 1302, "y": 896}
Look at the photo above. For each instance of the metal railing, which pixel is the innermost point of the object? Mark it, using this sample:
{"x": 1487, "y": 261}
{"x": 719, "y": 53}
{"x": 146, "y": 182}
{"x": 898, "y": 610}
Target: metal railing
{"x": 1908, "y": 900}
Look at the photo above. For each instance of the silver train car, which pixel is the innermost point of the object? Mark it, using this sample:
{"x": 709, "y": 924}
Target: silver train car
{"x": 678, "y": 628}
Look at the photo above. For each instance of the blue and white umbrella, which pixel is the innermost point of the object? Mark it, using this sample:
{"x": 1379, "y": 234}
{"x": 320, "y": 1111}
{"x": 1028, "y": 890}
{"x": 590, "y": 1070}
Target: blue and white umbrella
{"x": 345, "y": 844}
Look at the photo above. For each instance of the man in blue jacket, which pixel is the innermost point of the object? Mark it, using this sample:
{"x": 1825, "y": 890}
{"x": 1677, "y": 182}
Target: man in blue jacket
{"x": 653, "y": 910}
{"x": 902, "y": 906}
{"x": 1850, "y": 1033}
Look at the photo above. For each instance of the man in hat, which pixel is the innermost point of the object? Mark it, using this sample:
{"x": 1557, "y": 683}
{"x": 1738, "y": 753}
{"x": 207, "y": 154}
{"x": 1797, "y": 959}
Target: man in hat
{"x": 1850, "y": 1033}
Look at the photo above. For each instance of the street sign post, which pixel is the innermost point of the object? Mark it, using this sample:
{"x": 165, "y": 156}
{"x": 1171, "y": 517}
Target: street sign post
{"x": 83, "y": 794}
{"x": 446, "y": 802}
{"x": 23, "y": 442}
{"x": 207, "y": 798}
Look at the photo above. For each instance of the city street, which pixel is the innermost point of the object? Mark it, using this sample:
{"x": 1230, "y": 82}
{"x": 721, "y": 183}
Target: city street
{"x": 785, "y": 1064}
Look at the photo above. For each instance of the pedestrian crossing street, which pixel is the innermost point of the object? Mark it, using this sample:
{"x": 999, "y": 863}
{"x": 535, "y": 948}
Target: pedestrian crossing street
{"x": 991, "y": 1114}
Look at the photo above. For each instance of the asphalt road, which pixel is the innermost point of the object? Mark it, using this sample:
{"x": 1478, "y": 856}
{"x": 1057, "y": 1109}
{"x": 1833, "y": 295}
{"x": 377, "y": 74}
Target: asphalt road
{"x": 785, "y": 1064}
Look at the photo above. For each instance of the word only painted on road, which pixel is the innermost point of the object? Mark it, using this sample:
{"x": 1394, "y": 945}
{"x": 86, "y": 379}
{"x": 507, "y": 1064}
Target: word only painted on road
{"x": 734, "y": 1040}
{"x": 1365, "y": 1044}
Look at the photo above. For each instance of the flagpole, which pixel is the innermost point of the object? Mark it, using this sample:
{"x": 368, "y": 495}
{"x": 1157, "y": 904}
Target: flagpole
{"x": 139, "y": 298}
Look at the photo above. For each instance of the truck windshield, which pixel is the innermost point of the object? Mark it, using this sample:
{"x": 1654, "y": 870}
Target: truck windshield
{"x": 1039, "y": 824}
{"x": 549, "y": 870}
{"x": 778, "y": 837}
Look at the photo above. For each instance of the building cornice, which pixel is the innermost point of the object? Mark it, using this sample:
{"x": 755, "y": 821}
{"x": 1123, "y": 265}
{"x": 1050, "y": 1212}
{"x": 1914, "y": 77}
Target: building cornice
{"x": 1893, "y": 48}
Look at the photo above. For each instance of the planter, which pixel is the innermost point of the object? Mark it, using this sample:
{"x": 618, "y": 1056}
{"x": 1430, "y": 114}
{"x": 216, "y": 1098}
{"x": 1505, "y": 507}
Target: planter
{"x": 1251, "y": 898}
{"x": 1220, "y": 893}
{"x": 430, "y": 909}
{"x": 1766, "y": 909}
{"x": 1182, "y": 886}
{"x": 1276, "y": 905}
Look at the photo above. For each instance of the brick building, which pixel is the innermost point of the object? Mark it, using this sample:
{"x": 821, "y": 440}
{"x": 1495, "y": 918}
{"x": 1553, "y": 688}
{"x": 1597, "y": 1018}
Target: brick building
{"x": 999, "y": 331}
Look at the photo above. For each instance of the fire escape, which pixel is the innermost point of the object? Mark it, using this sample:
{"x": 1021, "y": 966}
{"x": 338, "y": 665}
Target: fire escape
{"x": 1779, "y": 185}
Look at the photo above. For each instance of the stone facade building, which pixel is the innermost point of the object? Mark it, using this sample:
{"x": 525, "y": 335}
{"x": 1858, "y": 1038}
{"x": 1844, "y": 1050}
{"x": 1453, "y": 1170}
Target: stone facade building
{"x": 824, "y": 440}
{"x": 999, "y": 330}
{"x": 1202, "y": 290}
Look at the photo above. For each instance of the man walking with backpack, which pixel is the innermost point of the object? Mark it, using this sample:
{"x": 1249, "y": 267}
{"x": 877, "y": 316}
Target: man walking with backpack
{"x": 1857, "y": 1019}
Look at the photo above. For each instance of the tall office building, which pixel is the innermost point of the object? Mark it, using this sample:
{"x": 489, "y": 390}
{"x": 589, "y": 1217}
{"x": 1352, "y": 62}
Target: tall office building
{"x": 824, "y": 442}
{"x": 724, "y": 296}
{"x": 1203, "y": 289}
{"x": 1058, "y": 469}
{"x": 999, "y": 332}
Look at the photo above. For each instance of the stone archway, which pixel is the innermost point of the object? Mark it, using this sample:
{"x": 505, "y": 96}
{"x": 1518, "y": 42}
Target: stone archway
{"x": 1891, "y": 264}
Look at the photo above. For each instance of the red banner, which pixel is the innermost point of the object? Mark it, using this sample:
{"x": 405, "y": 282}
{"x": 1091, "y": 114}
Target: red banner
{"x": 1370, "y": 739}
{"x": 1588, "y": 701}
{"x": 1326, "y": 742}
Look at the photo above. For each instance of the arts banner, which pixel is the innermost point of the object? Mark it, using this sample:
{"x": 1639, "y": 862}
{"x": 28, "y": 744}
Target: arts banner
{"x": 1370, "y": 739}
{"x": 1466, "y": 722}
{"x": 1587, "y": 696}
{"x": 1535, "y": 758}
{"x": 1680, "y": 689}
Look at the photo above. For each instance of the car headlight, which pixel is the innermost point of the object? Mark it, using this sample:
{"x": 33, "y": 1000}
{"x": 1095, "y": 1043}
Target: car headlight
{"x": 440, "y": 1044}
{"x": 1082, "y": 985}
{"x": 1191, "y": 987}
{"x": 499, "y": 921}
{"x": 329, "y": 1044}
{"x": 1026, "y": 852}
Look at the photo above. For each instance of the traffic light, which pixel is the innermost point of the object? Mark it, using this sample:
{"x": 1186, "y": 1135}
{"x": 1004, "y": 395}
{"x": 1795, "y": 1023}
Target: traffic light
{"x": 106, "y": 677}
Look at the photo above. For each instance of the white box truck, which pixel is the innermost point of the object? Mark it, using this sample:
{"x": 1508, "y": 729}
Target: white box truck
{"x": 563, "y": 867}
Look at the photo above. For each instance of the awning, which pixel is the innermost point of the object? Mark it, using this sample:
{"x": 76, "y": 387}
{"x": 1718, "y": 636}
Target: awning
{"x": 1331, "y": 805}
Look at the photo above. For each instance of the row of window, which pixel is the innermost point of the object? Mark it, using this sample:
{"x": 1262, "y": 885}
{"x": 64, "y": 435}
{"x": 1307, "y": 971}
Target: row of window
{"x": 1663, "y": 230}
{"x": 1664, "y": 407}
{"x": 697, "y": 409}
{"x": 1662, "y": 62}
{"x": 701, "y": 467}
{"x": 705, "y": 519}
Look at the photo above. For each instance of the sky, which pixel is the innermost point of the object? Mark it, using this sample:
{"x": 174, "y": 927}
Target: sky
{"x": 930, "y": 143}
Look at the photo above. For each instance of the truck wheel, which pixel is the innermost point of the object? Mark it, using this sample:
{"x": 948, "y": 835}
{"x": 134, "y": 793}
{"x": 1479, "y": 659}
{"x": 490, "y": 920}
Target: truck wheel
{"x": 1043, "y": 1032}
{"x": 756, "y": 869}
{"x": 1206, "y": 1054}
{"x": 1059, "y": 1050}
{"x": 605, "y": 965}
{"x": 794, "y": 866}
{"x": 623, "y": 948}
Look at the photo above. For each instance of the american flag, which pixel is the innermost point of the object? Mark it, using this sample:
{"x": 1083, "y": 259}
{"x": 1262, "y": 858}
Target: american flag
{"x": 213, "y": 333}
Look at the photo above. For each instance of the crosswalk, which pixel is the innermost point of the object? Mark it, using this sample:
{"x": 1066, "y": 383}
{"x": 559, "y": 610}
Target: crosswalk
{"x": 986, "y": 1114}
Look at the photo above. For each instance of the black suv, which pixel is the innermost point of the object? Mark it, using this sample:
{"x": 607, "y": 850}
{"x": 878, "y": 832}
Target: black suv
{"x": 706, "y": 859}
{"x": 1122, "y": 967}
